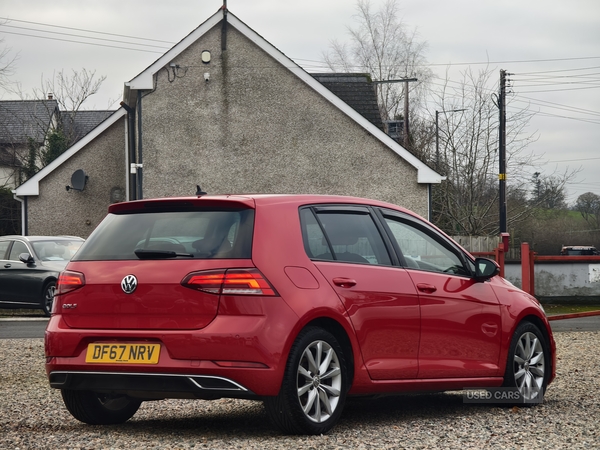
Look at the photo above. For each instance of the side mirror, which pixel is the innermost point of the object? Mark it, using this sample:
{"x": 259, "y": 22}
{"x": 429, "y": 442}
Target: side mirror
{"x": 485, "y": 269}
{"x": 26, "y": 258}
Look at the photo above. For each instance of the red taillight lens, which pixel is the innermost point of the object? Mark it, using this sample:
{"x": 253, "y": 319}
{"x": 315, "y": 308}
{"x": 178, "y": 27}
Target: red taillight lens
{"x": 69, "y": 281}
{"x": 229, "y": 282}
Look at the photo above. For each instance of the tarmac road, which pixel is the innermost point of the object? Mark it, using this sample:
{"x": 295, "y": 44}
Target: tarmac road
{"x": 22, "y": 328}
{"x": 33, "y": 327}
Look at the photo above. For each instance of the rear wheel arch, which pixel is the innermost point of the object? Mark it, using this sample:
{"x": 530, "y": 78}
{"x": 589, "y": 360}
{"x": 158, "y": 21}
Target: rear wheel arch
{"x": 338, "y": 331}
{"x": 315, "y": 383}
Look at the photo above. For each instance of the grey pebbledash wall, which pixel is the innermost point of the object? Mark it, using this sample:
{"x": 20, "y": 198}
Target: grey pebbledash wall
{"x": 255, "y": 127}
{"x": 58, "y": 212}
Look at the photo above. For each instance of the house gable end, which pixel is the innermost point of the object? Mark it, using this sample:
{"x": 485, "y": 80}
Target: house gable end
{"x": 145, "y": 81}
{"x": 32, "y": 187}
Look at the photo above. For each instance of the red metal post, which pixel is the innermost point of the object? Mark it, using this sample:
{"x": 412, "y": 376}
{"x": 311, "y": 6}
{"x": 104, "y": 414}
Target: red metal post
{"x": 505, "y": 237}
{"x": 526, "y": 267}
{"x": 532, "y": 272}
{"x": 499, "y": 256}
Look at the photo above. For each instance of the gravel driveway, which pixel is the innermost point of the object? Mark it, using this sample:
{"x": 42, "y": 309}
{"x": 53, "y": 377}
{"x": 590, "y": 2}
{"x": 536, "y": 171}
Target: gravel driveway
{"x": 32, "y": 415}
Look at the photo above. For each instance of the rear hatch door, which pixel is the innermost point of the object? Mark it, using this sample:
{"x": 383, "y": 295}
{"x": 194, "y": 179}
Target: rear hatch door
{"x": 134, "y": 262}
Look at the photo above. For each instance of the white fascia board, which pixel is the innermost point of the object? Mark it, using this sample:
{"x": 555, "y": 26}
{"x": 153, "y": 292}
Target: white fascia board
{"x": 425, "y": 174}
{"x": 145, "y": 80}
{"x": 32, "y": 186}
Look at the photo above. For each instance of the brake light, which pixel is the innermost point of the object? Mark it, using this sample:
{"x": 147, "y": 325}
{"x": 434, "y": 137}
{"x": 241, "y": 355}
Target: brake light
{"x": 69, "y": 281}
{"x": 229, "y": 282}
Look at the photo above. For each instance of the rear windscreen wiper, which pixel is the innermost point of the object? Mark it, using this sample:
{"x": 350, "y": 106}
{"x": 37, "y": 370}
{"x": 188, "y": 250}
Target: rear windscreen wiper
{"x": 159, "y": 254}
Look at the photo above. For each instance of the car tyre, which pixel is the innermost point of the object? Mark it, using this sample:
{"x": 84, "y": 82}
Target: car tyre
{"x": 528, "y": 366}
{"x": 314, "y": 387}
{"x": 99, "y": 409}
{"x": 48, "y": 297}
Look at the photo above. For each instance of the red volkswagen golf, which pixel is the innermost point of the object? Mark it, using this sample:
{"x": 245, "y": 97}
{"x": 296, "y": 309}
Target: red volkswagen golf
{"x": 298, "y": 301}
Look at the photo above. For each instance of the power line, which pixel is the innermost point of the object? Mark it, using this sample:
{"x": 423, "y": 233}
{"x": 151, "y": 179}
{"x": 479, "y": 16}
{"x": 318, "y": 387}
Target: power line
{"x": 515, "y": 61}
{"x": 87, "y": 43}
{"x": 573, "y": 160}
{"x": 321, "y": 63}
{"x": 558, "y": 105}
{"x": 84, "y": 30}
{"x": 557, "y": 71}
{"x": 554, "y": 77}
{"x": 82, "y": 36}
{"x": 560, "y": 90}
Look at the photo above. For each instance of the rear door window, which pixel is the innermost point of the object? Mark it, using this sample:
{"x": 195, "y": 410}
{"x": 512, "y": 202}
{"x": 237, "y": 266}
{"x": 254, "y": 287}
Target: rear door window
{"x": 209, "y": 234}
{"x": 346, "y": 234}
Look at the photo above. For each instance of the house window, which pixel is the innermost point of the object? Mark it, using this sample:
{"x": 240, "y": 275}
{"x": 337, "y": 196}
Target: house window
{"x": 394, "y": 128}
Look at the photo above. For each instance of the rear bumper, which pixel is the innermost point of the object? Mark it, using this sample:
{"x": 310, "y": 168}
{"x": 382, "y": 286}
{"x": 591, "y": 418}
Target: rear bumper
{"x": 236, "y": 355}
{"x": 150, "y": 386}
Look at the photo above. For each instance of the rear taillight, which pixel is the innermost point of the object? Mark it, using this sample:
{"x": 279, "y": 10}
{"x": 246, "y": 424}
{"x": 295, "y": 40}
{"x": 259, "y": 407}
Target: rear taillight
{"x": 69, "y": 281}
{"x": 229, "y": 282}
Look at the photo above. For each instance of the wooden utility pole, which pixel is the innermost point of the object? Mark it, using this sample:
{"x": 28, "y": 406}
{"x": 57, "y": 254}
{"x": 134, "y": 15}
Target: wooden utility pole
{"x": 405, "y": 139}
{"x": 502, "y": 152}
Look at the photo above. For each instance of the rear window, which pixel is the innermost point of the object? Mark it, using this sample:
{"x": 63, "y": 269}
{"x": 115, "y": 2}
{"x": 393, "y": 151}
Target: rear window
{"x": 213, "y": 234}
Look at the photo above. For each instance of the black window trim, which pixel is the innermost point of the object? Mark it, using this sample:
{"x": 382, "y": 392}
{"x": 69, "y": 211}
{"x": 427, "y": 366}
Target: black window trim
{"x": 357, "y": 209}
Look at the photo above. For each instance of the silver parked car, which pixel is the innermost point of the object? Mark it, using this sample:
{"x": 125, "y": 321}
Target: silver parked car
{"x": 29, "y": 268}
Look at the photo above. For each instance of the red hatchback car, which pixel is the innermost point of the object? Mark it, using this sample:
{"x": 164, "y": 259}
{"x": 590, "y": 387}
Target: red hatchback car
{"x": 295, "y": 300}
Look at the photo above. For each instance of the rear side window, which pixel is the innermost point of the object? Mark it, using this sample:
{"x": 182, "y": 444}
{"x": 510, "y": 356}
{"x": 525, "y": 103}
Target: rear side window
{"x": 213, "y": 234}
{"x": 342, "y": 235}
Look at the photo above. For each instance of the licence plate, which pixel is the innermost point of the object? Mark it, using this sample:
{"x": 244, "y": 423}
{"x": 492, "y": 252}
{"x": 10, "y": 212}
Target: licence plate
{"x": 123, "y": 353}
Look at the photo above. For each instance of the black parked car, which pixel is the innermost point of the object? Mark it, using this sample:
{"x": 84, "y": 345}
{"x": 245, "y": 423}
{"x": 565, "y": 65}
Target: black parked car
{"x": 29, "y": 268}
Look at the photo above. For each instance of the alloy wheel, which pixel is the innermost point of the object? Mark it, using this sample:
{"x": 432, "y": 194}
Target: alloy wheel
{"x": 319, "y": 381}
{"x": 529, "y": 366}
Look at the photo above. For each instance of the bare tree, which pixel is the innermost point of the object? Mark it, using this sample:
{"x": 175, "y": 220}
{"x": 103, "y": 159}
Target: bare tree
{"x": 467, "y": 202}
{"x": 382, "y": 46}
{"x": 7, "y": 65}
{"x": 588, "y": 205}
{"x": 54, "y": 116}
{"x": 72, "y": 90}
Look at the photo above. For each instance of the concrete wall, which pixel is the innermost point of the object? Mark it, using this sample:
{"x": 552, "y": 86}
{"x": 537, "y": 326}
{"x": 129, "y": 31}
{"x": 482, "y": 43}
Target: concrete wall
{"x": 56, "y": 211}
{"x": 568, "y": 280}
{"x": 255, "y": 127}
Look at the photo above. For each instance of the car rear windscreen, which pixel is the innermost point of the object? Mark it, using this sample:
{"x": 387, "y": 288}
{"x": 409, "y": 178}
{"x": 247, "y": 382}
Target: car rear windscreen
{"x": 206, "y": 234}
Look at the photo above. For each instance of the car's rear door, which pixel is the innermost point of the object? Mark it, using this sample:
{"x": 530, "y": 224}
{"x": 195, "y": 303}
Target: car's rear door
{"x": 379, "y": 297}
{"x": 133, "y": 266}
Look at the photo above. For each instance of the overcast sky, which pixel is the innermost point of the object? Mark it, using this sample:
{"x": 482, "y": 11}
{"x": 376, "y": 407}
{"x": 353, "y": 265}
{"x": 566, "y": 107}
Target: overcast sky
{"x": 551, "y": 46}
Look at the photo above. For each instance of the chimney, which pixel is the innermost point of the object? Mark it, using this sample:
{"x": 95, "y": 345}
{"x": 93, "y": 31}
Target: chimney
{"x": 50, "y": 96}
